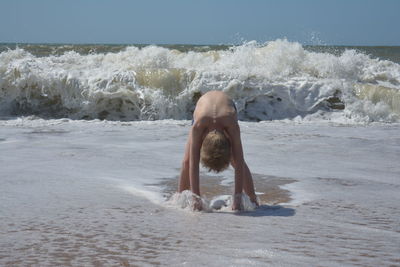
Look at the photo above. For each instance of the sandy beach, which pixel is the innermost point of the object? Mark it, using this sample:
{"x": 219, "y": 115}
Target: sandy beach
{"x": 96, "y": 193}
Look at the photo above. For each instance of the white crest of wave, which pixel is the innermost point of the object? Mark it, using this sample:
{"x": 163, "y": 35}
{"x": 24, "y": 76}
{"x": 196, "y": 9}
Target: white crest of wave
{"x": 276, "y": 80}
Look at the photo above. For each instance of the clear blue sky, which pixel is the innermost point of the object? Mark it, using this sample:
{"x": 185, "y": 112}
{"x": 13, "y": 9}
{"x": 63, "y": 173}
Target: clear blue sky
{"x": 342, "y": 22}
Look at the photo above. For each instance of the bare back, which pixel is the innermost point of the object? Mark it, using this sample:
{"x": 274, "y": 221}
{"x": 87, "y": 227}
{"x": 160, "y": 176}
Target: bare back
{"x": 215, "y": 110}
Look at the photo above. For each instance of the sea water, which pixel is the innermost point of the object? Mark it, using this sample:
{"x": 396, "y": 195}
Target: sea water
{"x": 88, "y": 172}
{"x": 100, "y": 193}
{"x": 274, "y": 80}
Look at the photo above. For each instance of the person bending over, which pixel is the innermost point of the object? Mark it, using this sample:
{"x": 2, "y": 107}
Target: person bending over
{"x": 214, "y": 139}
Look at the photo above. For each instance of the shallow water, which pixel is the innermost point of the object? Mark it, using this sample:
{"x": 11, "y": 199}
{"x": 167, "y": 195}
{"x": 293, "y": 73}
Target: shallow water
{"x": 268, "y": 188}
{"x": 79, "y": 193}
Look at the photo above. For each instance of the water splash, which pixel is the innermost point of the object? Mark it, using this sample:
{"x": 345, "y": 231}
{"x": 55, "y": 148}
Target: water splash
{"x": 275, "y": 80}
{"x": 185, "y": 200}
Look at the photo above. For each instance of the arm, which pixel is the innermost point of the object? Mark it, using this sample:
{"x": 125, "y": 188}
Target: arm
{"x": 184, "y": 182}
{"x": 237, "y": 154}
{"x": 196, "y": 134}
{"x": 194, "y": 152}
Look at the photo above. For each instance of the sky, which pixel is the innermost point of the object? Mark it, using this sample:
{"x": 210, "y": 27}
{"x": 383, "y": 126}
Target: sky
{"x": 326, "y": 22}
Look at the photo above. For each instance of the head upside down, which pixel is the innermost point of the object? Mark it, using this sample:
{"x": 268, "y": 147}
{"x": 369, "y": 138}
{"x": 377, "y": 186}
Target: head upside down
{"x": 215, "y": 153}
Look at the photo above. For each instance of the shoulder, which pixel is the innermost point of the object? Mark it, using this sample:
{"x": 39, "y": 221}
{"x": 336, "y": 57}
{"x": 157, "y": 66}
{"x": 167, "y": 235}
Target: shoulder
{"x": 200, "y": 122}
{"x": 231, "y": 125}
{"x": 199, "y": 126}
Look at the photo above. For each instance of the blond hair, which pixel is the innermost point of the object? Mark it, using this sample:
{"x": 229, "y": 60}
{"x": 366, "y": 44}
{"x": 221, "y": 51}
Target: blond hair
{"x": 215, "y": 153}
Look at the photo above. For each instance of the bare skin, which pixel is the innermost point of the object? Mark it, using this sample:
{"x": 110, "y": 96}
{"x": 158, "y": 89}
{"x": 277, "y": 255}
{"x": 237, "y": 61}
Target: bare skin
{"x": 215, "y": 111}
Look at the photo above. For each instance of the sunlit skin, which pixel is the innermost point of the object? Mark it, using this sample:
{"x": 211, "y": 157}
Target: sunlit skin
{"x": 215, "y": 111}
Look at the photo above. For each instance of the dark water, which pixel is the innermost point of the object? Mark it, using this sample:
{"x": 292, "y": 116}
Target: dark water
{"x": 43, "y": 50}
{"x": 391, "y": 53}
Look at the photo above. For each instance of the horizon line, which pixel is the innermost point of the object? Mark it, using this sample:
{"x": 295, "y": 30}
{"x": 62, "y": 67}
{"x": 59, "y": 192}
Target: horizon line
{"x": 183, "y": 44}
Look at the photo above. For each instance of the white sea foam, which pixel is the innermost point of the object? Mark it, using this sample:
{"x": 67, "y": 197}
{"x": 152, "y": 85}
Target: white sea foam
{"x": 276, "y": 80}
{"x": 152, "y": 196}
{"x": 184, "y": 200}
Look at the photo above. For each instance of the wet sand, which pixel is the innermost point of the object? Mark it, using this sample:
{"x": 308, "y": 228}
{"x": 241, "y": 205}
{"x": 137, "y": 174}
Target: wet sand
{"x": 268, "y": 188}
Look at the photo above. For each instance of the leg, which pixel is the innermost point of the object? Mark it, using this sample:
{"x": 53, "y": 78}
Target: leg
{"x": 184, "y": 182}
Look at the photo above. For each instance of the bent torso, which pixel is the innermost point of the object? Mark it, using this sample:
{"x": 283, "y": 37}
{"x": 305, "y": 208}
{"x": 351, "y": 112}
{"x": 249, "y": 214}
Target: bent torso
{"x": 215, "y": 111}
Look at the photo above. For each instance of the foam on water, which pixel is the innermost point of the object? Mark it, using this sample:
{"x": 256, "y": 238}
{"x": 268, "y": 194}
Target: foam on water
{"x": 152, "y": 196}
{"x": 223, "y": 203}
{"x": 276, "y": 80}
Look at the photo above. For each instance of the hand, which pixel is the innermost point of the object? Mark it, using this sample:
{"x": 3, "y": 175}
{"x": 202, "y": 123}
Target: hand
{"x": 254, "y": 200}
{"x": 197, "y": 204}
{"x": 237, "y": 202}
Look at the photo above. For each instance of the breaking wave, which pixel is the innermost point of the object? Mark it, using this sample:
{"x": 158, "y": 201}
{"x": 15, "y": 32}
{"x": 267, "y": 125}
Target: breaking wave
{"x": 275, "y": 80}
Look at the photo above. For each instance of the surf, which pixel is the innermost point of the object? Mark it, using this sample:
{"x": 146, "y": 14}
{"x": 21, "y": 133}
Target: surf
{"x": 270, "y": 81}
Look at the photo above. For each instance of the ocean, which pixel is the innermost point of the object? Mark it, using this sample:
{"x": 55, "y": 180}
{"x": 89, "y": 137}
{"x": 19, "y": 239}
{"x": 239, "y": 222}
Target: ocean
{"x": 92, "y": 138}
{"x": 275, "y": 80}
